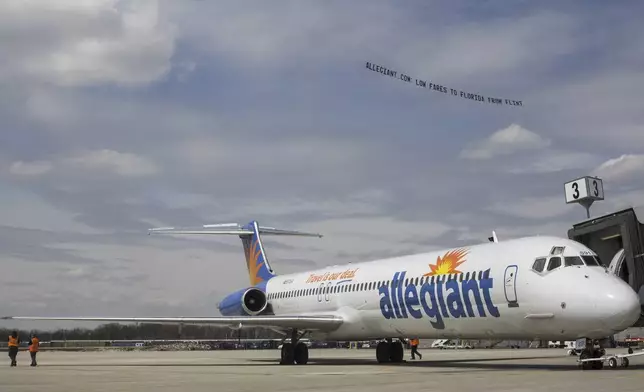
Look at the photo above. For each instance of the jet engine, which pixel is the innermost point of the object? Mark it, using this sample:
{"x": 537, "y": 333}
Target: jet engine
{"x": 245, "y": 302}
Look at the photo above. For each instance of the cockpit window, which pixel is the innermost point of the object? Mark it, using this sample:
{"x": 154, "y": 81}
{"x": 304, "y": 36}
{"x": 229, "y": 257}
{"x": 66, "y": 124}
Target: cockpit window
{"x": 572, "y": 260}
{"x": 539, "y": 264}
{"x": 591, "y": 260}
{"x": 555, "y": 262}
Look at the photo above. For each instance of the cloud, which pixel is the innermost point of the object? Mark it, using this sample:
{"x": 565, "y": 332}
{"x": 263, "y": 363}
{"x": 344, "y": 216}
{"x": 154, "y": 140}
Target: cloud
{"x": 371, "y": 237}
{"x": 505, "y": 141}
{"x": 538, "y": 208}
{"x": 68, "y": 43}
{"x": 28, "y": 169}
{"x": 598, "y": 109}
{"x": 624, "y": 168}
{"x": 124, "y": 164}
{"x": 253, "y": 36}
{"x": 20, "y": 208}
{"x": 553, "y": 161}
{"x": 95, "y": 161}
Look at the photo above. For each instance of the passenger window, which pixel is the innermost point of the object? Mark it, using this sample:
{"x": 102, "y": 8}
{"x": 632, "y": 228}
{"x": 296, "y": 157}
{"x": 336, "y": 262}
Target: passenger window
{"x": 555, "y": 262}
{"x": 539, "y": 264}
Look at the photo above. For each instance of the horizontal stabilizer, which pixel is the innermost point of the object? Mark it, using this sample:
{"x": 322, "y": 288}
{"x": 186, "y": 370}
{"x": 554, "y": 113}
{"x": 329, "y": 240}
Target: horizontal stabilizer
{"x": 320, "y": 323}
{"x": 229, "y": 228}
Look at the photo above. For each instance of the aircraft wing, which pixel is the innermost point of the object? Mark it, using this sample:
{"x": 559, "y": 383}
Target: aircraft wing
{"x": 318, "y": 323}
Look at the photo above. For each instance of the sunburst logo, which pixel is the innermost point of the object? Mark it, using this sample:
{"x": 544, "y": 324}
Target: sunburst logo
{"x": 448, "y": 263}
{"x": 255, "y": 262}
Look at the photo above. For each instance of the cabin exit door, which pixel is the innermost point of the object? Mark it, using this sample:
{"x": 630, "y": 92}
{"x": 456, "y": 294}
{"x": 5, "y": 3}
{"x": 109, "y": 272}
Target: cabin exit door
{"x": 510, "y": 286}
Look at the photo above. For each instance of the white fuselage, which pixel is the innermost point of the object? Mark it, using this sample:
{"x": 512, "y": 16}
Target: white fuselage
{"x": 496, "y": 294}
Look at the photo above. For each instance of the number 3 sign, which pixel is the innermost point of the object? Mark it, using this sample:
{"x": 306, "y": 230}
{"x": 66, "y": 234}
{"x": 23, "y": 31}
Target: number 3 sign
{"x": 584, "y": 189}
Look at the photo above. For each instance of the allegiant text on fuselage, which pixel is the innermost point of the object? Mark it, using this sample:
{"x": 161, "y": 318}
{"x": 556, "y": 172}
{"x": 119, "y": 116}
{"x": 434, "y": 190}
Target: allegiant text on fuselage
{"x": 438, "y": 300}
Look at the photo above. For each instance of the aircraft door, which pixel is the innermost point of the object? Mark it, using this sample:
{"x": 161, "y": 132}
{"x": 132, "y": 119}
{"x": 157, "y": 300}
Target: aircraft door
{"x": 510, "y": 286}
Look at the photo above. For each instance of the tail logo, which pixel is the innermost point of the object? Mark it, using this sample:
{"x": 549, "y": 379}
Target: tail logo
{"x": 255, "y": 261}
{"x": 257, "y": 267}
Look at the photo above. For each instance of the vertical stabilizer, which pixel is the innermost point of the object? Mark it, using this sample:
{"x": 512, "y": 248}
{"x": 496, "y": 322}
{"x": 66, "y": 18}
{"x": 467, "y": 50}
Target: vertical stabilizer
{"x": 258, "y": 268}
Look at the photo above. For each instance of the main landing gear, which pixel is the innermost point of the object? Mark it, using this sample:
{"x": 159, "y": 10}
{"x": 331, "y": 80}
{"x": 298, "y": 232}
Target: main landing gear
{"x": 389, "y": 351}
{"x": 294, "y": 352}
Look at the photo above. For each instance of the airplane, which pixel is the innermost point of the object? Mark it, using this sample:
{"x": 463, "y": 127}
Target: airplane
{"x": 530, "y": 288}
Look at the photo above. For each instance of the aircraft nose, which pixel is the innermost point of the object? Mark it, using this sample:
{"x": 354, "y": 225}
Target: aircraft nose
{"x": 620, "y": 305}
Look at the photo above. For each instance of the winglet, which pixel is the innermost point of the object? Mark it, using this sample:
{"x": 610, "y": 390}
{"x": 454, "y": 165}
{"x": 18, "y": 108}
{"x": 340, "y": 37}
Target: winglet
{"x": 493, "y": 238}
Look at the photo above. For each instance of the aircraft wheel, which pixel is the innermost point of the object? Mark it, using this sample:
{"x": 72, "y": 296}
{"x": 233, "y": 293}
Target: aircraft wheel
{"x": 382, "y": 352}
{"x": 397, "y": 352}
{"x": 612, "y": 363}
{"x": 288, "y": 354}
{"x": 625, "y": 362}
{"x": 301, "y": 354}
{"x": 597, "y": 365}
{"x": 584, "y": 355}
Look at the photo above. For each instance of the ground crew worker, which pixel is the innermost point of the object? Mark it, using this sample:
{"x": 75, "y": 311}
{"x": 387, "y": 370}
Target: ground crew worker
{"x": 14, "y": 343}
{"x": 34, "y": 344}
{"x": 414, "y": 348}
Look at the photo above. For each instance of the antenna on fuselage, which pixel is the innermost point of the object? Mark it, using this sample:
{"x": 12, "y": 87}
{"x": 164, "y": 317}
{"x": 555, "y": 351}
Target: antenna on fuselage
{"x": 493, "y": 238}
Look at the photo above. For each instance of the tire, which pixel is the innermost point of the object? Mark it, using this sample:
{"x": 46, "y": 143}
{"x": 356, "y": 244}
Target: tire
{"x": 612, "y": 363}
{"x": 584, "y": 365}
{"x": 288, "y": 354}
{"x": 382, "y": 352}
{"x": 301, "y": 354}
{"x": 397, "y": 352}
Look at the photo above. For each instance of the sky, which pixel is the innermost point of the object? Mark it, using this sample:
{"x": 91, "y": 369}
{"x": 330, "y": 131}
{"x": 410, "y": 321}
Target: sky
{"x": 121, "y": 115}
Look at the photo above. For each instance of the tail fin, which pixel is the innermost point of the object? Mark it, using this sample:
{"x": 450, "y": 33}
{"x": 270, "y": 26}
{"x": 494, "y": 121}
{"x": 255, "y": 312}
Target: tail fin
{"x": 259, "y": 270}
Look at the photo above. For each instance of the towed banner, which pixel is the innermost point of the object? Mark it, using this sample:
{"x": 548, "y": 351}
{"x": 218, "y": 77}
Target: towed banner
{"x": 441, "y": 88}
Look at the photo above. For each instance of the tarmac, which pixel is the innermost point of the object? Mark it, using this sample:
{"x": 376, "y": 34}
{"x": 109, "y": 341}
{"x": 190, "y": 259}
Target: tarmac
{"x": 335, "y": 370}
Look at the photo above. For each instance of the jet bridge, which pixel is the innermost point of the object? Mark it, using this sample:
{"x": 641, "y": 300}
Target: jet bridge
{"x": 618, "y": 240}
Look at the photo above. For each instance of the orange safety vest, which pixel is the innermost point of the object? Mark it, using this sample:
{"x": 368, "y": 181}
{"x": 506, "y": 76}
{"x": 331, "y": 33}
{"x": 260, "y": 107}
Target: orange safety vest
{"x": 33, "y": 347}
{"x": 414, "y": 342}
{"x": 13, "y": 342}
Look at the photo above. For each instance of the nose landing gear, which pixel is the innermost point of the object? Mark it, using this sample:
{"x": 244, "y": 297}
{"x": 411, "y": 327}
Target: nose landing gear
{"x": 592, "y": 358}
